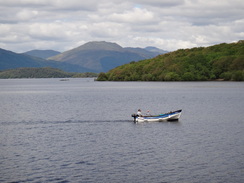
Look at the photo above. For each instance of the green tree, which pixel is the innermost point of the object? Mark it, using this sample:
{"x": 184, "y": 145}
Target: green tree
{"x": 171, "y": 76}
{"x": 238, "y": 76}
{"x": 102, "y": 77}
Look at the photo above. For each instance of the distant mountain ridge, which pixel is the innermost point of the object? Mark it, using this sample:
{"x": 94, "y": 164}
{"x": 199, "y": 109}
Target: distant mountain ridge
{"x": 96, "y": 56}
{"x": 155, "y": 50}
{"x": 11, "y": 60}
{"x": 99, "y": 45}
{"x": 103, "y": 56}
{"x": 42, "y": 53}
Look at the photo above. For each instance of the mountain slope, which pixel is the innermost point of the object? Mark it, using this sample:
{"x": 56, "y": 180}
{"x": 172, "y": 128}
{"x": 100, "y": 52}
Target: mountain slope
{"x": 42, "y": 53}
{"x": 155, "y": 50}
{"x": 97, "y": 56}
{"x": 11, "y": 60}
{"x": 223, "y": 61}
{"x": 102, "y": 56}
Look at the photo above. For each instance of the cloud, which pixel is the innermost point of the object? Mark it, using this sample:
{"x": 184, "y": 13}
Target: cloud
{"x": 52, "y": 4}
{"x": 161, "y": 3}
{"x": 135, "y": 16}
{"x": 26, "y": 14}
{"x": 167, "y": 24}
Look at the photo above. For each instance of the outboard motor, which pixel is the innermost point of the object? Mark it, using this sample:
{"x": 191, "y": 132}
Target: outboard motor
{"x": 134, "y": 116}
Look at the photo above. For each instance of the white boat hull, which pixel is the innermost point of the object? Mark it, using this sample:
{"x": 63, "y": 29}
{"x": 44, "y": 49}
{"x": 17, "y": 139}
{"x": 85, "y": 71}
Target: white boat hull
{"x": 171, "y": 116}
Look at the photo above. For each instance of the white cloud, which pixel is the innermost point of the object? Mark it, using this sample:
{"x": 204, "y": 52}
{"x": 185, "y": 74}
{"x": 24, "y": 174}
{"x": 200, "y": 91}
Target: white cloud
{"x": 167, "y": 24}
{"x": 26, "y": 14}
{"x": 52, "y": 4}
{"x": 135, "y": 16}
{"x": 165, "y": 3}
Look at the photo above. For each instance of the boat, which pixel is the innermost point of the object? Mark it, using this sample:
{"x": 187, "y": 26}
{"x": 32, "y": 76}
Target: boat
{"x": 64, "y": 80}
{"x": 170, "y": 116}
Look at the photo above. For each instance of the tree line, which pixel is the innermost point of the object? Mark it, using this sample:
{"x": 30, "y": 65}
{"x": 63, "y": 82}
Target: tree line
{"x": 223, "y": 61}
{"x": 45, "y": 72}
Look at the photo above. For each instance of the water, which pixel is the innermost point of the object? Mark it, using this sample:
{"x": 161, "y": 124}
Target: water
{"x": 82, "y": 131}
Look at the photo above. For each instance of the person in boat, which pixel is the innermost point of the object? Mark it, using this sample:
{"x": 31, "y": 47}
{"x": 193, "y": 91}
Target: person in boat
{"x": 139, "y": 113}
{"x": 148, "y": 113}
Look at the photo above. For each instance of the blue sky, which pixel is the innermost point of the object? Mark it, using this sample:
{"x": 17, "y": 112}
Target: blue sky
{"x": 167, "y": 24}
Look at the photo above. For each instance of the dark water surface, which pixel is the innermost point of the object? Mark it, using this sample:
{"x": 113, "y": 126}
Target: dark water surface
{"x": 81, "y": 131}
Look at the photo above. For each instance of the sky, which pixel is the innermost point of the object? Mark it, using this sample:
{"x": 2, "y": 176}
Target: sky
{"x": 167, "y": 24}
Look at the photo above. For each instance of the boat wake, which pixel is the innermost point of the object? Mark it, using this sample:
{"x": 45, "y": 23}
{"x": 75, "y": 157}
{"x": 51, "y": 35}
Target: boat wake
{"x": 62, "y": 122}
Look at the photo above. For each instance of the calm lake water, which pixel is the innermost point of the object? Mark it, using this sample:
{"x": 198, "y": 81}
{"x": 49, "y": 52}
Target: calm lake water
{"x": 82, "y": 131}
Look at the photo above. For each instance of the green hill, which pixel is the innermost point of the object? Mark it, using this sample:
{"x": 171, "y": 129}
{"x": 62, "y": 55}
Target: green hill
{"x": 223, "y": 61}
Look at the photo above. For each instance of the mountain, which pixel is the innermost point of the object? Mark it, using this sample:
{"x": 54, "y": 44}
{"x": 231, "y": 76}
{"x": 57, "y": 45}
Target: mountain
{"x": 102, "y": 56}
{"x": 219, "y": 62}
{"x": 97, "y": 56}
{"x": 42, "y": 53}
{"x": 142, "y": 52}
{"x": 155, "y": 50}
{"x": 11, "y": 60}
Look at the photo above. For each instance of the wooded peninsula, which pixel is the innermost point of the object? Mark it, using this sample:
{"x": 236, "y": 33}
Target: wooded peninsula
{"x": 44, "y": 72}
{"x": 219, "y": 62}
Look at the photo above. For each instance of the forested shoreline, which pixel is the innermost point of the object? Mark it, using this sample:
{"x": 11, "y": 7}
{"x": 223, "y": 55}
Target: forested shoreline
{"x": 45, "y": 72}
{"x": 218, "y": 62}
